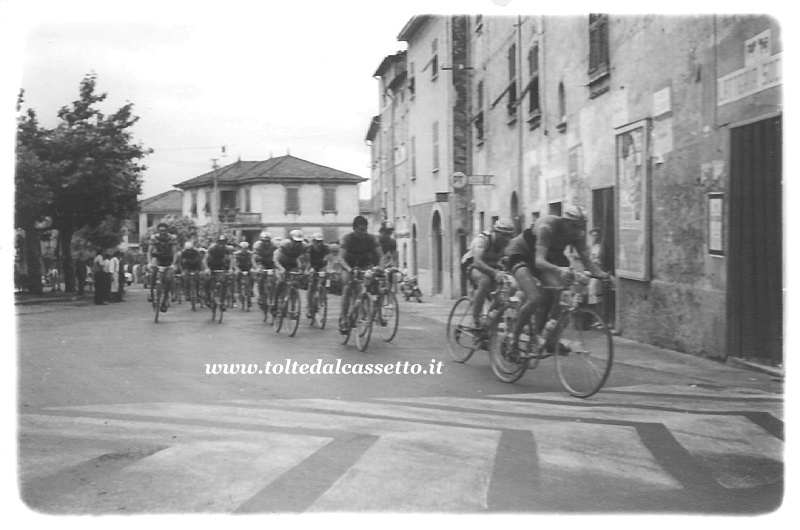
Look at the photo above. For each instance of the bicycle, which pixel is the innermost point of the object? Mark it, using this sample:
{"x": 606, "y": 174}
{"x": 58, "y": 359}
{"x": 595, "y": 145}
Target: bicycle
{"x": 245, "y": 290}
{"x": 217, "y": 299}
{"x": 192, "y": 287}
{"x": 178, "y": 288}
{"x": 318, "y": 308}
{"x": 579, "y": 340}
{"x": 267, "y": 294}
{"x": 288, "y": 303}
{"x": 463, "y": 338}
{"x": 386, "y": 310}
{"x": 161, "y": 289}
{"x": 358, "y": 312}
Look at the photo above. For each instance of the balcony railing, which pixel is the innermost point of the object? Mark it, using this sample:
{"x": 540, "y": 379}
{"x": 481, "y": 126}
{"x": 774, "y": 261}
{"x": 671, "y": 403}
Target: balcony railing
{"x": 232, "y": 217}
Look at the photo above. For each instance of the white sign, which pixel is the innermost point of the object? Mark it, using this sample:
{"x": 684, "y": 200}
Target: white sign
{"x": 749, "y": 80}
{"x": 662, "y": 102}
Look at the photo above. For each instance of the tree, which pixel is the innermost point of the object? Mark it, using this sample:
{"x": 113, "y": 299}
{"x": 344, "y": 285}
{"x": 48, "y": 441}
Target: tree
{"x": 93, "y": 168}
{"x": 183, "y": 227}
{"x": 32, "y": 193}
{"x": 208, "y": 234}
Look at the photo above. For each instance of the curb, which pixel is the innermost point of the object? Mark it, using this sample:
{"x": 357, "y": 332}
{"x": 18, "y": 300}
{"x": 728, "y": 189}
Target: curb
{"x": 775, "y": 372}
{"x": 39, "y": 301}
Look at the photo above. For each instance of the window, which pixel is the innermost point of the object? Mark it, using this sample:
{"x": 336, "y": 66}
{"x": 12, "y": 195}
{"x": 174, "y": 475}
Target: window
{"x": 329, "y": 200}
{"x": 411, "y": 78}
{"x": 413, "y": 157}
{"x": 562, "y": 108}
{"x": 478, "y": 119}
{"x": 207, "y": 207}
{"x": 478, "y": 23}
{"x": 292, "y": 200}
{"x": 435, "y": 146}
{"x": 511, "y": 107}
{"x": 193, "y": 209}
{"x": 534, "y": 106}
{"x": 151, "y": 219}
{"x": 434, "y": 59}
{"x": 481, "y": 221}
{"x": 246, "y": 199}
{"x": 599, "y": 70}
{"x": 227, "y": 200}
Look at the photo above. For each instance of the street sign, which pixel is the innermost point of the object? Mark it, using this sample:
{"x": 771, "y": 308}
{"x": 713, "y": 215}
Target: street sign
{"x": 480, "y": 180}
{"x": 458, "y": 180}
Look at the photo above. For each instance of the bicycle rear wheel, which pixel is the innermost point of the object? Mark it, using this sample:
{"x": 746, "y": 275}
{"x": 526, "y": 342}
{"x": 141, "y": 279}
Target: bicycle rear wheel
{"x": 157, "y": 302}
{"x": 280, "y": 312}
{"x": 462, "y": 337}
{"x": 364, "y": 318}
{"x": 584, "y": 352}
{"x": 293, "y": 312}
{"x": 506, "y": 363}
{"x": 321, "y": 314}
{"x": 388, "y": 316}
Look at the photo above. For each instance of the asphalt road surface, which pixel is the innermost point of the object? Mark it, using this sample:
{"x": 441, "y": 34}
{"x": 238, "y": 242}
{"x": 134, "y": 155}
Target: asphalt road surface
{"x": 120, "y": 415}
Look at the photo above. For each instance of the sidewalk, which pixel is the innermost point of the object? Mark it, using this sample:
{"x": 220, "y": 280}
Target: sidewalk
{"x": 733, "y": 372}
{"x": 47, "y": 297}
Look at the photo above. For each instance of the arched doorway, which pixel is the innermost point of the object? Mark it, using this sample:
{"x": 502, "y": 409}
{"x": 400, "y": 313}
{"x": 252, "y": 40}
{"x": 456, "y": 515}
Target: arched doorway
{"x": 414, "y": 264}
{"x": 436, "y": 232}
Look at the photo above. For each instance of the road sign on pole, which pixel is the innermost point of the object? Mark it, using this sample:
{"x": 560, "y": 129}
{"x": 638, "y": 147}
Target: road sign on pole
{"x": 480, "y": 180}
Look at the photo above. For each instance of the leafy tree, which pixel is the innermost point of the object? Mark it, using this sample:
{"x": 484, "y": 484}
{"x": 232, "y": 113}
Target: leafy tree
{"x": 208, "y": 234}
{"x": 91, "y": 168}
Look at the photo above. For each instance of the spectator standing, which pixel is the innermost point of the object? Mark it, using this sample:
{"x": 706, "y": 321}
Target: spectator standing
{"x": 113, "y": 271}
{"x": 80, "y": 273}
{"x": 121, "y": 276}
{"x": 99, "y": 275}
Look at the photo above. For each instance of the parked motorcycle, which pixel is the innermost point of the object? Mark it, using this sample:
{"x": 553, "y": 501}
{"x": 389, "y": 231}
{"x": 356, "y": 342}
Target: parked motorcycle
{"x": 410, "y": 289}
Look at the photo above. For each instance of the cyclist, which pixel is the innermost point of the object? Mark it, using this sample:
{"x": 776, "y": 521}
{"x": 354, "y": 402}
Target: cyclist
{"x": 537, "y": 255}
{"x": 218, "y": 258}
{"x": 262, "y": 259}
{"x": 191, "y": 261}
{"x": 243, "y": 259}
{"x": 162, "y": 252}
{"x": 388, "y": 248}
{"x": 291, "y": 255}
{"x": 318, "y": 261}
{"x": 482, "y": 263}
{"x": 358, "y": 249}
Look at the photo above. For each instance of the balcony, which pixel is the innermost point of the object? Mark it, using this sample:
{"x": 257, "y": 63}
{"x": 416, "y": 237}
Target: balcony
{"x": 239, "y": 218}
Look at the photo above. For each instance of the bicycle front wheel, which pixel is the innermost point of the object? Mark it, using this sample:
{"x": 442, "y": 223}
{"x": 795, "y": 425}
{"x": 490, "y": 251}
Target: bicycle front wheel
{"x": 584, "y": 352}
{"x": 505, "y": 358}
{"x": 364, "y": 318}
{"x": 294, "y": 312}
{"x": 387, "y": 316}
{"x": 462, "y": 337}
{"x": 321, "y": 314}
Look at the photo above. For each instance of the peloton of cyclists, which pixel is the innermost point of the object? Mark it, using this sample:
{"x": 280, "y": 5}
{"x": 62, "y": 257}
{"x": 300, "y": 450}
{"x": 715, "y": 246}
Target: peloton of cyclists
{"x": 482, "y": 263}
{"x": 162, "y": 252}
{"x": 537, "y": 255}
{"x": 358, "y": 249}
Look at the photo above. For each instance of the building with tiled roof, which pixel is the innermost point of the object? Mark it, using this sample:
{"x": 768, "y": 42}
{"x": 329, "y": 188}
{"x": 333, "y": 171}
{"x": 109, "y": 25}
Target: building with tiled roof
{"x": 278, "y": 195}
{"x": 155, "y": 209}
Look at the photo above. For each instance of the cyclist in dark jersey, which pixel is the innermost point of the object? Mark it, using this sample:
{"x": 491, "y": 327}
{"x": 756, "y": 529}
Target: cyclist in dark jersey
{"x": 243, "y": 260}
{"x": 218, "y": 258}
{"x": 262, "y": 260}
{"x": 190, "y": 261}
{"x": 317, "y": 260}
{"x": 358, "y": 249}
{"x": 291, "y": 255}
{"x": 162, "y": 252}
{"x": 538, "y": 254}
{"x": 482, "y": 263}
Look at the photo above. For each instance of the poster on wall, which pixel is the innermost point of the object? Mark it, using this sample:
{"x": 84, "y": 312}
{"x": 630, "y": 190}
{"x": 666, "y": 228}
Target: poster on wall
{"x": 715, "y": 203}
{"x": 633, "y": 198}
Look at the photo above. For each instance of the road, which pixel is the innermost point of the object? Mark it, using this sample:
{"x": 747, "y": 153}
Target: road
{"x": 120, "y": 415}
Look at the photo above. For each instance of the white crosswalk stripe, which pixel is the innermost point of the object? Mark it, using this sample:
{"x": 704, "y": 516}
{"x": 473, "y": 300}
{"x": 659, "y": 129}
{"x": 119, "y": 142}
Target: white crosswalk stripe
{"x": 419, "y": 454}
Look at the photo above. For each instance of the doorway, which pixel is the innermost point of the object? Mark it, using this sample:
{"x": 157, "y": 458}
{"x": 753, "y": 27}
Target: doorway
{"x": 436, "y": 232}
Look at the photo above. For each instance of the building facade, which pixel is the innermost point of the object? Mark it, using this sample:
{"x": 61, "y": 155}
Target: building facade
{"x": 158, "y": 208}
{"x": 279, "y": 195}
{"x": 668, "y": 129}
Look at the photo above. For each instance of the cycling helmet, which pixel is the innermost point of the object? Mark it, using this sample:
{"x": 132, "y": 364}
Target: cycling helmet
{"x": 244, "y": 244}
{"x": 317, "y": 237}
{"x": 296, "y": 235}
{"x": 504, "y": 226}
{"x": 575, "y": 213}
{"x": 265, "y": 235}
{"x": 188, "y": 245}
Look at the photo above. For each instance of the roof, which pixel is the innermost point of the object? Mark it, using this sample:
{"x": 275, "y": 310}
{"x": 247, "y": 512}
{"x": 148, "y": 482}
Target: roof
{"x": 169, "y": 201}
{"x": 286, "y": 168}
{"x": 388, "y": 61}
{"x": 412, "y": 26}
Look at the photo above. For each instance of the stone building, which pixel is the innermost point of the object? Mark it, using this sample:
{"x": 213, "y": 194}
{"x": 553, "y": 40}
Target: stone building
{"x": 667, "y": 128}
{"x": 280, "y": 194}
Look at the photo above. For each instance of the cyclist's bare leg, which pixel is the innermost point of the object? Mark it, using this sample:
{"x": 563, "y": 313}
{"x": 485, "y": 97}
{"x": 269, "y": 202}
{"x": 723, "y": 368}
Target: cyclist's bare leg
{"x": 484, "y": 286}
{"x": 530, "y": 295}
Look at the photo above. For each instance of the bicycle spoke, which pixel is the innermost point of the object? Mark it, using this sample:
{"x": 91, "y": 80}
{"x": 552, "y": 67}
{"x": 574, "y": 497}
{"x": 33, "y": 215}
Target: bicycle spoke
{"x": 584, "y": 351}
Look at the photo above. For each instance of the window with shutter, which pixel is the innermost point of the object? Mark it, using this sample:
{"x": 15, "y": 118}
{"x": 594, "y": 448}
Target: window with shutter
{"x": 292, "y": 200}
{"x": 599, "y": 63}
{"x": 329, "y": 200}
